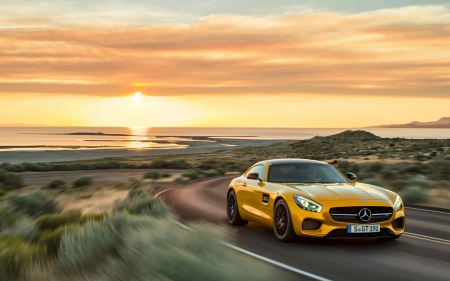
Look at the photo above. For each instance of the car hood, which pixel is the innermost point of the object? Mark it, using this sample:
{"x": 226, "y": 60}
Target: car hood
{"x": 344, "y": 191}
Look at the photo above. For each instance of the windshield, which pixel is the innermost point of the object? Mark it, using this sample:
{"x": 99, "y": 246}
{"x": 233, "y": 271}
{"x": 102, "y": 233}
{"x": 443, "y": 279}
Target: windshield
{"x": 304, "y": 173}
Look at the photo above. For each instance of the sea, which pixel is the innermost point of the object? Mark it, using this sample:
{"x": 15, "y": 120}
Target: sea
{"x": 37, "y": 138}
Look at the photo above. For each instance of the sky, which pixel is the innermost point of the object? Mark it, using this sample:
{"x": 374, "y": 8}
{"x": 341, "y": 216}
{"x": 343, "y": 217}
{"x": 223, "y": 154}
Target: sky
{"x": 224, "y": 63}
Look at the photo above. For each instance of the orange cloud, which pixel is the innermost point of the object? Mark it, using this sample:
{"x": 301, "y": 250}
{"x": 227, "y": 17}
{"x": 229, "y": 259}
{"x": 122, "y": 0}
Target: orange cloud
{"x": 397, "y": 52}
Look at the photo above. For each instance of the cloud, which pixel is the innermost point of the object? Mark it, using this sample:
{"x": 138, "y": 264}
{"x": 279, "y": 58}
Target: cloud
{"x": 396, "y": 52}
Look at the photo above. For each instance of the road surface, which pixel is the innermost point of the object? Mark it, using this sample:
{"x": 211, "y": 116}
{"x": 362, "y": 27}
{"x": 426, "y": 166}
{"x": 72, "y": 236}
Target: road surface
{"x": 421, "y": 253}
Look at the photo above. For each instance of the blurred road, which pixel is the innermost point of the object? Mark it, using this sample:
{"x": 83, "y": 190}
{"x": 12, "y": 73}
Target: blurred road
{"x": 422, "y": 253}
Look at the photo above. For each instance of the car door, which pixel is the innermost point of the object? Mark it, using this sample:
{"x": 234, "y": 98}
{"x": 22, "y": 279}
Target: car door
{"x": 245, "y": 192}
{"x": 258, "y": 196}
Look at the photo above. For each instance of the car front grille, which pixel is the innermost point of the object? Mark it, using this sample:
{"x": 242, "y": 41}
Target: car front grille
{"x": 350, "y": 214}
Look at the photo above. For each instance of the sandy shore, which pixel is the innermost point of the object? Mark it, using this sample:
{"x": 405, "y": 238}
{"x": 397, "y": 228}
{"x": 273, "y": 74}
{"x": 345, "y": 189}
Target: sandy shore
{"x": 34, "y": 156}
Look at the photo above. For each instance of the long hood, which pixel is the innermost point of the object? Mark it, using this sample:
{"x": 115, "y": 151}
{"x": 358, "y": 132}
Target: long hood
{"x": 359, "y": 191}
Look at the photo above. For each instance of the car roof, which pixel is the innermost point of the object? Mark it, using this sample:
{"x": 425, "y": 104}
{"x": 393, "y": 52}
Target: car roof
{"x": 293, "y": 160}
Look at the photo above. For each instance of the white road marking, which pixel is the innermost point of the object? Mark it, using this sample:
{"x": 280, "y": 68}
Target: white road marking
{"x": 427, "y": 210}
{"x": 428, "y": 238}
{"x": 296, "y": 270}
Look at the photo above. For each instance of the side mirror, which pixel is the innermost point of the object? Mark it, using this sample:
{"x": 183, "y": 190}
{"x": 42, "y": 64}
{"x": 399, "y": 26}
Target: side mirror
{"x": 351, "y": 176}
{"x": 253, "y": 176}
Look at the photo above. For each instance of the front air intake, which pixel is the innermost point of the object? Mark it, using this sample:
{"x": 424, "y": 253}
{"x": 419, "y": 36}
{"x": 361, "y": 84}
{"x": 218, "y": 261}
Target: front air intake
{"x": 398, "y": 223}
{"x": 311, "y": 224}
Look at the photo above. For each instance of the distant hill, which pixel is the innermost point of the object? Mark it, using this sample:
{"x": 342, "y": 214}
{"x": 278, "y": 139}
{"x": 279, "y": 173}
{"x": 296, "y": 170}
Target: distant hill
{"x": 347, "y": 136}
{"x": 444, "y": 123}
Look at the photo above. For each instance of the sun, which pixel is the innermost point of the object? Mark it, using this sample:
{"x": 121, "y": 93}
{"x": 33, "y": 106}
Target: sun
{"x": 137, "y": 97}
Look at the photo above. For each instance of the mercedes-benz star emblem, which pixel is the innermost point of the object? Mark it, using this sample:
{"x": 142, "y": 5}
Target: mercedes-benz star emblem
{"x": 364, "y": 214}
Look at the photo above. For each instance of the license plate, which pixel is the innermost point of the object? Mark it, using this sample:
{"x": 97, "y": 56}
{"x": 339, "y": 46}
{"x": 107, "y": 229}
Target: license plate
{"x": 361, "y": 228}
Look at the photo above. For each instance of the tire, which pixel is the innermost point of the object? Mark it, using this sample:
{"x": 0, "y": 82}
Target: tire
{"x": 282, "y": 222}
{"x": 390, "y": 238}
{"x": 233, "y": 215}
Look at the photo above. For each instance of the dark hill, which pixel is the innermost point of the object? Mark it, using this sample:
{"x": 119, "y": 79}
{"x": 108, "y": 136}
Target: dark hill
{"x": 347, "y": 136}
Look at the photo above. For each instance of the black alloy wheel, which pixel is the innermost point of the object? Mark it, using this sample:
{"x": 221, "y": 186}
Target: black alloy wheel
{"x": 233, "y": 215}
{"x": 282, "y": 222}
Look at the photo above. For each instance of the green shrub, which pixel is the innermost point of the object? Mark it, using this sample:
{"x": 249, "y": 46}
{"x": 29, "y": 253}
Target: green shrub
{"x": 159, "y": 164}
{"x": 35, "y": 203}
{"x": 52, "y": 222}
{"x": 375, "y": 167}
{"x": 7, "y": 218}
{"x": 17, "y": 257}
{"x": 11, "y": 179}
{"x": 140, "y": 202}
{"x": 51, "y": 239}
{"x": 422, "y": 183}
{"x": 23, "y": 227}
{"x": 2, "y": 193}
{"x": 83, "y": 181}
{"x": 398, "y": 184}
{"x": 152, "y": 175}
{"x": 126, "y": 247}
{"x": 166, "y": 175}
{"x": 178, "y": 164}
{"x": 56, "y": 183}
{"x": 197, "y": 254}
{"x": 415, "y": 195}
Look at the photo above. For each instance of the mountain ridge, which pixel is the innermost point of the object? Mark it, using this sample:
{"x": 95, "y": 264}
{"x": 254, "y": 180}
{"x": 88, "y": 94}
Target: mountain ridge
{"x": 443, "y": 123}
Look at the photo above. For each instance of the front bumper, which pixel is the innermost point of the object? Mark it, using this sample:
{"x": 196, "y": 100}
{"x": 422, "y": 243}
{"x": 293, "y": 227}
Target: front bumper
{"x": 330, "y": 228}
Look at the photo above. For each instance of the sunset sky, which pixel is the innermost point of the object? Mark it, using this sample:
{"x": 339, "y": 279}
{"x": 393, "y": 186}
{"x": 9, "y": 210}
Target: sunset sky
{"x": 227, "y": 63}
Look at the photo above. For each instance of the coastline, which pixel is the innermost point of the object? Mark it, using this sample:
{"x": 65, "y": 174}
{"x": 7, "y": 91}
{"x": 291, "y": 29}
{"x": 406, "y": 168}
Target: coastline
{"x": 62, "y": 155}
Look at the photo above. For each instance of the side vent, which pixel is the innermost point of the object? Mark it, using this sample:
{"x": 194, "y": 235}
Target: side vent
{"x": 311, "y": 224}
{"x": 265, "y": 198}
{"x": 398, "y": 223}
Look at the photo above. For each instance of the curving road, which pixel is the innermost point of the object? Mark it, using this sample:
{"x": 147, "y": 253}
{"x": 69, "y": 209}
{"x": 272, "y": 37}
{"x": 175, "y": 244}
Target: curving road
{"x": 422, "y": 253}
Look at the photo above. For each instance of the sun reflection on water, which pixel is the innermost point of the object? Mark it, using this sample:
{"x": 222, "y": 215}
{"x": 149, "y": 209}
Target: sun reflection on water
{"x": 138, "y": 137}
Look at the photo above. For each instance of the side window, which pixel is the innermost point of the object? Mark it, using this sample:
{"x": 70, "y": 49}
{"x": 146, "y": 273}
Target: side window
{"x": 260, "y": 169}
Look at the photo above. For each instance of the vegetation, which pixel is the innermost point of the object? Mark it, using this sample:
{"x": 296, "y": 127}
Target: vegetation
{"x": 83, "y": 181}
{"x": 9, "y": 179}
{"x": 152, "y": 175}
{"x": 137, "y": 242}
{"x": 56, "y": 183}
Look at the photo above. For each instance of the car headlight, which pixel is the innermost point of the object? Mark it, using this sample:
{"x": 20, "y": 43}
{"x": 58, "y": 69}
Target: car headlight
{"x": 307, "y": 204}
{"x": 398, "y": 204}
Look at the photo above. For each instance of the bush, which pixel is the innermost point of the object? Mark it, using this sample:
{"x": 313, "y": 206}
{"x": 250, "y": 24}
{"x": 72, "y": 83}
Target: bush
{"x": 83, "y": 181}
{"x": 151, "y": 175}
{"x": 398, "y": 184}
{"x": 10, "y": 179}
{"x": 35, "y": 203}
{"x": 56, "y": 183}
{"x": 415, "y": 195}
{"x": 23, "y": 227}
{"x": 136, "y": 247}
{"x": 140, "y": 202}
{"x": 166, "y": 175}
{"x": 52, "y": 222}
{"x": 375, "y": 167}
{"x": 17, "y": 257}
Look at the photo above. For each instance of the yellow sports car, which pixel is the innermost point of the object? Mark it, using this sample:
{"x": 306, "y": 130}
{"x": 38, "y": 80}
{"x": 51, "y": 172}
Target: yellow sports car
{"x": 312, "y": 198}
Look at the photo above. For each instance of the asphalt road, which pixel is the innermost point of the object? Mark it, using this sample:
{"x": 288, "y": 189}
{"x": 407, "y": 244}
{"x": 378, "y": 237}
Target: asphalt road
{"x": 422, "y": 253}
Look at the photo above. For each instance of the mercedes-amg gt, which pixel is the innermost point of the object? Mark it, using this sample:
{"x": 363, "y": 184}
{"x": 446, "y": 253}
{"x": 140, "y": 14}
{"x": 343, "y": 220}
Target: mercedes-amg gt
{"x": 312, "y": 198}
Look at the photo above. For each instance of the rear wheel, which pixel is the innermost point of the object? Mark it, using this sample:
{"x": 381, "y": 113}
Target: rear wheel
{"x": 234, "y": 217}
{"x": 282, "y": 222}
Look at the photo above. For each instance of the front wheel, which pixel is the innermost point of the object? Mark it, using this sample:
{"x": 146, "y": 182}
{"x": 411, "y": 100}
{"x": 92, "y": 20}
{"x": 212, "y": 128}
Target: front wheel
{"x": 282, "y": 222}
{"x": 233, "y": 215}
